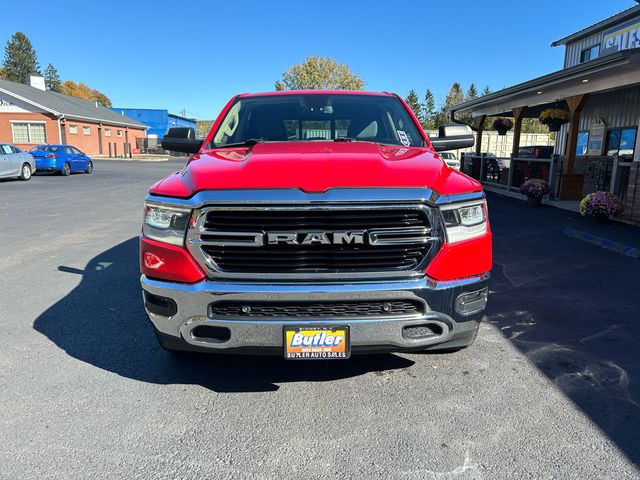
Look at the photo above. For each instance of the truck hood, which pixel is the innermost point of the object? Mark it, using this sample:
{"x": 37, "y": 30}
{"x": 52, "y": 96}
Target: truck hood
{"x": 315, "y": 167}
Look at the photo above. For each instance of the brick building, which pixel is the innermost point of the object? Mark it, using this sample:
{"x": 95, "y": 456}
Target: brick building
{"x": 30, "y": 115}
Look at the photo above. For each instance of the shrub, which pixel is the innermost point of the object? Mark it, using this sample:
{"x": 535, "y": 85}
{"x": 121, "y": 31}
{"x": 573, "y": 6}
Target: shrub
{"x": 535, "y": 187}
{"x": 601, "y": 204}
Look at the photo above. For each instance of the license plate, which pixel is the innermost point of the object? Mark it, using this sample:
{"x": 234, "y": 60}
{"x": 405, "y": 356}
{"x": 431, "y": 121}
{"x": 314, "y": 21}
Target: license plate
{"x": 316, "y": 343}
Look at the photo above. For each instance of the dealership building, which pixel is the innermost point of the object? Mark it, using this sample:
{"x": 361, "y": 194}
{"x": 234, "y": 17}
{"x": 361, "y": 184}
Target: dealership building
{"x": 30, "y": 115}
{"x": 158, "y": 120}
{"x": 599, "y": 88}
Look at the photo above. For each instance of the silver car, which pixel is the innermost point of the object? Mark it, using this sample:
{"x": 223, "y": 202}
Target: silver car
{"x": 15, "y": 163}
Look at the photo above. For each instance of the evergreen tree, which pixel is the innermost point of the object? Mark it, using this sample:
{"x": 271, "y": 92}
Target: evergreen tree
{"x": 429, "y": 111}
{"x": 472, "y": 92}
{"x": 19, "y": 59}
{"x": 486, "y": 91}
{"x": 414, "y": 103}
{"x": 52, "y": 79}
{"x": 455, "y": 96}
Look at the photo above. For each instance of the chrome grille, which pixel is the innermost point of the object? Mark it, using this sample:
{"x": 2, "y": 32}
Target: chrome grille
{"x": 234, "y": 241}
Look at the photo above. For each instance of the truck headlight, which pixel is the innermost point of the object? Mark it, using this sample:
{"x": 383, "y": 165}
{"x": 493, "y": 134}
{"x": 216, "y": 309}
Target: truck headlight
{"x": 165, "y": 224}
{"x": 464, "y": 221}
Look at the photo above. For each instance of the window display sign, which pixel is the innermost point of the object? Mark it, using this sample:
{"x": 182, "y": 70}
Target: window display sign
{"x": 622, "y": 37}
{"x": 596, "y": 138}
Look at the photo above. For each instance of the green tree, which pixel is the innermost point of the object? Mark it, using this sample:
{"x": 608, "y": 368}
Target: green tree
{"x": 52, "y": 79}
{"x": 455, "y": 96}
{"x": 319, "y": 73}
{"x": 203, "y": 127}
{"x": 472, "y": 92}
{"x": 486, "y": 91}
{"x": 81, "y": 90}
{"x": 414, "y": 103}
{"x": 429, "y": 110}
{"x": 20, "y": 59}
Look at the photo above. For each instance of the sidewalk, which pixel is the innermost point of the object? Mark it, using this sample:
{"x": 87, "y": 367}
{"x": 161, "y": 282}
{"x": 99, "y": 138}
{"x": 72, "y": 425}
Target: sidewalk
{"x": 141, "y": 158}
{"x": 558, "y": 219}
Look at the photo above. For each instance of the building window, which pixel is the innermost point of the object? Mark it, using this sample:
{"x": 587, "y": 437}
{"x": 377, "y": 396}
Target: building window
{"x": 107, "y": 132}
{"x": 86, "y": 130}
{"x": 583, "y": 143}
{"x": 590, "y": 53}
{"x": 73, "y": 129}
{"x": 621, "y": 142}
{"x": 119, "y": 133}
{"x": 28, "y": 132}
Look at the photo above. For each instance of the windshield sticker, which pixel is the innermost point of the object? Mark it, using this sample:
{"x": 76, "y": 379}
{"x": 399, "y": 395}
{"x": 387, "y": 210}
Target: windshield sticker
{"x": 403, "y": 138}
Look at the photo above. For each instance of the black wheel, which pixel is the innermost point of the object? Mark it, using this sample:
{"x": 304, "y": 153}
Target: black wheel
{"x": 25, "y": 172}
{"x": 66, "y": 170}
{"x": 89, "y": 168}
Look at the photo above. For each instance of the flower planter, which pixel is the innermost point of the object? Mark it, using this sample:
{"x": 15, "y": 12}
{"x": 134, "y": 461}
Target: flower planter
{"x": 502, "y": 125}
{"x": 534, "y": 201}
{"x": 535, "y": 189}
{"x": 555, "y": 125}
{"x": 600, "y": 206}
{"x": 554, "y": 118}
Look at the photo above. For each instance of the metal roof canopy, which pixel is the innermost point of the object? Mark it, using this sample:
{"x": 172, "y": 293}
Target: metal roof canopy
{"x": 601, "y": 25}
{"x": 614, "y": 71}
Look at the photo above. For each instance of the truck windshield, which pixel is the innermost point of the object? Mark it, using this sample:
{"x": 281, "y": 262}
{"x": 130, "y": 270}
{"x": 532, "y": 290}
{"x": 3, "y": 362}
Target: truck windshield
{"x": 317, "y": 117}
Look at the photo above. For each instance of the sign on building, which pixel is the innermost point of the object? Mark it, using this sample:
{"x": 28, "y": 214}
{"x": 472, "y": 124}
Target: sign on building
{"x": 622, "y": 37}
{"x": 596, "y": 138}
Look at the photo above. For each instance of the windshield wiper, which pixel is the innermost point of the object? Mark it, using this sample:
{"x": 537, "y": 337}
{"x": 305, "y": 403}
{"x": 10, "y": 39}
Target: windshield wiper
{"x": 246, "y": 143}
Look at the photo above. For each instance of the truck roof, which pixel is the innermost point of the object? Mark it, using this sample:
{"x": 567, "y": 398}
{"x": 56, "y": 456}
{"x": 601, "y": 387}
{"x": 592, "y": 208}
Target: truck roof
{"x": 315, "y": 92}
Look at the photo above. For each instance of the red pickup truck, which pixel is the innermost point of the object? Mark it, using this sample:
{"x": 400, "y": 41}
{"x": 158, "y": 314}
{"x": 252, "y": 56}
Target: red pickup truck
{"x": 314, "y": 224}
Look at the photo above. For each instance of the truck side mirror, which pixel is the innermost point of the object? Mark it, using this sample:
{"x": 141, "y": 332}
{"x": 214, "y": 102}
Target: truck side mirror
{"x": 453, "y": 137}
{"x": 181, "y": 139}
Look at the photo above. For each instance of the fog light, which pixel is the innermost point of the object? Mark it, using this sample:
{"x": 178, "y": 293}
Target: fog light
{"x": 472, "y": 302}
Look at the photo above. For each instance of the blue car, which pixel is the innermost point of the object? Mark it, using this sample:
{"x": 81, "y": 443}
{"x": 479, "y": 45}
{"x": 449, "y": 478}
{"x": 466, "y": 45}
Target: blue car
{"x": 62, "y": 159}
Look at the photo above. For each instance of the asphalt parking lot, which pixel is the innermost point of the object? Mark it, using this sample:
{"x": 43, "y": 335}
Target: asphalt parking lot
{"x": 551, "y": 388}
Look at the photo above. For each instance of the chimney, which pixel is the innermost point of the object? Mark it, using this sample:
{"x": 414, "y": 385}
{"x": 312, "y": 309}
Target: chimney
{"x": 37, "y": 81}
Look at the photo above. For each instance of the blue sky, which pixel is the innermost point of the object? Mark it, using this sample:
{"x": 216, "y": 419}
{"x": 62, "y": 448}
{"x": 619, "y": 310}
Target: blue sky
{"x": 197, "y": 54}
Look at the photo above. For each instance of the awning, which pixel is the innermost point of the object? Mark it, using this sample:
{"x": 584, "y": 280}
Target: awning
{"x": 621, "y": 69}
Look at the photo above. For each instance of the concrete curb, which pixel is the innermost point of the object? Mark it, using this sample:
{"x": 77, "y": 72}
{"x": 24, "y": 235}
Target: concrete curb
{"x": 134, "y": 159}
{"x": 603, "y": 243}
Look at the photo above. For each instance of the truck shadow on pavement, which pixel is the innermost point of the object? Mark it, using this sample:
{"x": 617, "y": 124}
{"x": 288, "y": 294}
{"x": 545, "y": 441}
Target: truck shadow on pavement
{"x": 102, "y": 322}
{"x": 572, "y": 310}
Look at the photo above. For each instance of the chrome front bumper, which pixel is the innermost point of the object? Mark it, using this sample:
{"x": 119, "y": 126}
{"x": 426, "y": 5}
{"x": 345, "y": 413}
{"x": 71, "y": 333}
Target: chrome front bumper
{"x": 367, "y": 334}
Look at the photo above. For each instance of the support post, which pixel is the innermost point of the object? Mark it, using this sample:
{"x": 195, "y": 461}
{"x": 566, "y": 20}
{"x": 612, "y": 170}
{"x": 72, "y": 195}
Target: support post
{"x": 614, "y": 175}
{"x": 572, "y": 184}
{"x": 552, "y": 175}
{"x": 479, "y": 134}
{"x": 518, "y": 115}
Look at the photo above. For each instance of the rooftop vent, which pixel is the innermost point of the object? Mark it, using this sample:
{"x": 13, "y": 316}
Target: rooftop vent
{"x": 37, "y": 81}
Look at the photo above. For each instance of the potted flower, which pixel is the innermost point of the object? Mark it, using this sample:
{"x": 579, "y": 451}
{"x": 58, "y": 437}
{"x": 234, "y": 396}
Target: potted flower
{"x": 502, "y": 125}
{"x": 554, "y": 118}
{"x": 535, "y": 189}
{"x": 600, "y": 206}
